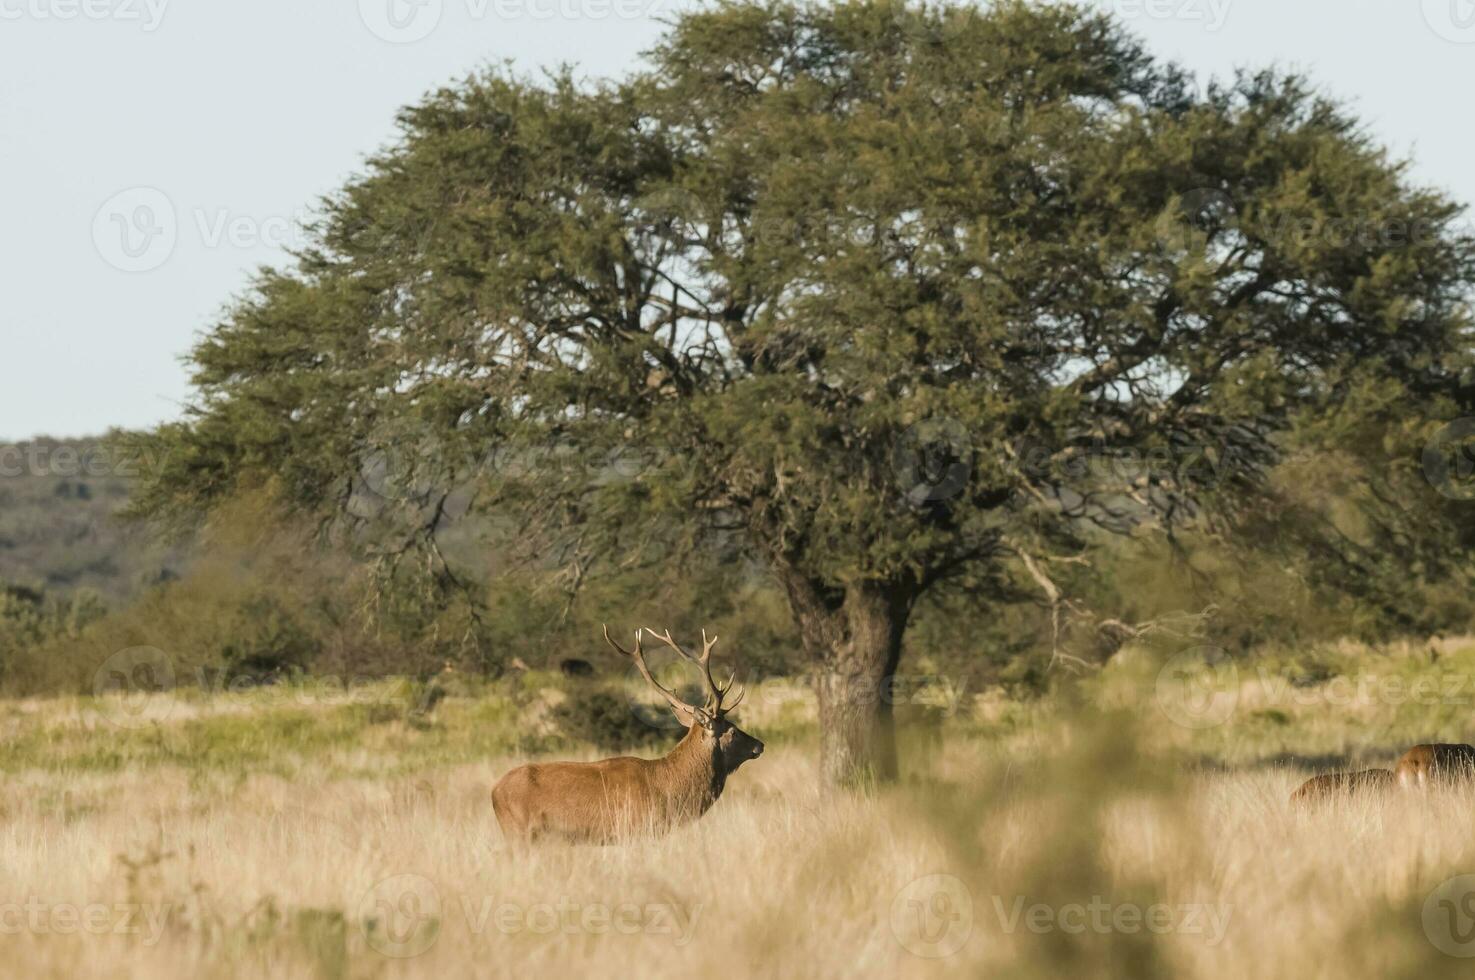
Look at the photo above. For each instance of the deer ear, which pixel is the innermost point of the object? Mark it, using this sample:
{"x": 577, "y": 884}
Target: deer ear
{"x": 684, "y": 715}
{"x": 703, "y": 718}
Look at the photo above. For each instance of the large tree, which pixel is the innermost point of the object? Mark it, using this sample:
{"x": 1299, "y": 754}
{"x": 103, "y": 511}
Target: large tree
{"x": 900, "y": 298}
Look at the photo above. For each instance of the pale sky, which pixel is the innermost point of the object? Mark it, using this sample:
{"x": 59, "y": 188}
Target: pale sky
{"x": 154, "y": 152}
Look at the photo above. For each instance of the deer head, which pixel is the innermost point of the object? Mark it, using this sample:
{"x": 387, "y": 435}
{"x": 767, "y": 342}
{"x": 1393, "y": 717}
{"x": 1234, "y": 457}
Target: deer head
{"x": 708, "y": 722}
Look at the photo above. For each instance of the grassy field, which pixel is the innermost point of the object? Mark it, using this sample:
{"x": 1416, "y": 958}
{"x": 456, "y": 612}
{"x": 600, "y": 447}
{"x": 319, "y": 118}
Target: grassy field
{"x": 1135, "y": 826}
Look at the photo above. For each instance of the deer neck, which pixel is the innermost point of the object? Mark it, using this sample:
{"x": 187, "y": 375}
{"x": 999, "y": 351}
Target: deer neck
{"x": 692, "y": 773}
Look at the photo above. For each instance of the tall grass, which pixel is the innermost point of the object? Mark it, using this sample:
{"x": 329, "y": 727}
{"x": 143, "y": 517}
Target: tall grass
{"x": 254, "y": 834}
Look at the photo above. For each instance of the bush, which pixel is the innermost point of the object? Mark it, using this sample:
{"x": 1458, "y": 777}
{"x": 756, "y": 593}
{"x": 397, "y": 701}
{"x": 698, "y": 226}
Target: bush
{"x": 264, "y": 640}
{"x": 606, "y": 719}
{"x": 30, "y": 618}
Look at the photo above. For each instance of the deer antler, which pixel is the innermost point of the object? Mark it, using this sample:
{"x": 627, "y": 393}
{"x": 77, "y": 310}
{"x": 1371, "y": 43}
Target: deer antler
{"x": 638, "y": 656}
{"x": 715, "y": 693}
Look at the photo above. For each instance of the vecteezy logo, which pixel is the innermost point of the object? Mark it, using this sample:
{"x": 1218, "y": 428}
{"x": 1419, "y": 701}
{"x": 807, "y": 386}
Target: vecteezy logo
{"x": 1449, "y": 460}
{"x": 933, "y": 916}
{"x": 401, "y": 21}
{"x": 1198, "y": 688}
{"x": 1453, "y": 20}
{"x": 136, "y": 230}
{"x": 126, "y": 681}
{"x": 400, "y": 916}
{"x": 933, "y": 460}
{"x": 404, "y": 459}
{"x": 1449, "y": 916}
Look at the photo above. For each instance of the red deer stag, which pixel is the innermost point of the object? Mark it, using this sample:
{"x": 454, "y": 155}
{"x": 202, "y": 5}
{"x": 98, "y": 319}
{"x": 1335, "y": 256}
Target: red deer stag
{"x": 1426, "y": 764}
{"x": 603, "y": 801}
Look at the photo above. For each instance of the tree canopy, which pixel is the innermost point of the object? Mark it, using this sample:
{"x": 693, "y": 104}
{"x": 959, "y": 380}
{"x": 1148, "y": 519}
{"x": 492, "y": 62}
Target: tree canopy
{"x": 896, "y": 298}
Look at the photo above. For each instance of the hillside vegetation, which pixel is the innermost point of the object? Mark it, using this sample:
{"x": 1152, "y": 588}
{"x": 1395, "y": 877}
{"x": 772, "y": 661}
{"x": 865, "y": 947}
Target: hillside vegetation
{"x": 256, "y": 594}
{"x": 59, "y": 500}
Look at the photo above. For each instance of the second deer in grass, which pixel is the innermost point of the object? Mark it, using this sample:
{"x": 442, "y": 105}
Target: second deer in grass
{"x": 1336, "y": 785}
{"x": 614, "y": 798}
{"x": 1418, "y": 768}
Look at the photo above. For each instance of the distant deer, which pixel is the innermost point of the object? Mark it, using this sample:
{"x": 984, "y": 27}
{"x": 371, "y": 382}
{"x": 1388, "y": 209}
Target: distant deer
{"x": 1423, "y": 765}
{"x": 1333, "y": 785}
{"x": 613, "y": 798}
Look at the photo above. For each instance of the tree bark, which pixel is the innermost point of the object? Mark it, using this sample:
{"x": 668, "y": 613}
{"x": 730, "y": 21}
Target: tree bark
{"x": 853, "y": 639}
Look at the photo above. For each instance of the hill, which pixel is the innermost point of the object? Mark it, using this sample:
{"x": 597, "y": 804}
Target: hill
{"x": 59, "y": 530}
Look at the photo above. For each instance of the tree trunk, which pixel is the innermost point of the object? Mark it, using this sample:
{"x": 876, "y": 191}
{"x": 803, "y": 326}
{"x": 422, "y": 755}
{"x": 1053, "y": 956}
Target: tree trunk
{"x": 854, "y": 642}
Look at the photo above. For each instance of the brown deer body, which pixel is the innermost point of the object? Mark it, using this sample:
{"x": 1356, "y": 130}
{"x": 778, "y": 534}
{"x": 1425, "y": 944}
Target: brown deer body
{"x": 1424, "y": 765}
{"x": 1334, "y": 785}
{"x": 597, "y": 802}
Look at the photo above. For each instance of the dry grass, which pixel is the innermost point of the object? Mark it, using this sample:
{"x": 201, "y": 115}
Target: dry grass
{"x": 1090, "y": 845}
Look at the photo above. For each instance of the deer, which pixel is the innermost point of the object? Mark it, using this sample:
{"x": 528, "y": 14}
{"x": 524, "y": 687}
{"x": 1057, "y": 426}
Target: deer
{"x": 613, "y": 799}
{"x": 1331, "y": 785}
{"x": 1424, "y": 765}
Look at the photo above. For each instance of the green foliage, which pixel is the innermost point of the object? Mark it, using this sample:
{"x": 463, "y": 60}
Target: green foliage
{"x": 233, "y": 618}
{"x": 602, "y": 717}
{"x": 30, "y": 619}
{"x": 255, "y": 606}
{"x": 263, "y": 640}
{"x": 753, "y": 269}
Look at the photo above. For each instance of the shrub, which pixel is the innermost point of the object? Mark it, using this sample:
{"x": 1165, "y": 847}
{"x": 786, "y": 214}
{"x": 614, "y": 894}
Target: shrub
{"x": 264, "y": 640}
{"x": 606, "y": 719}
